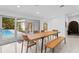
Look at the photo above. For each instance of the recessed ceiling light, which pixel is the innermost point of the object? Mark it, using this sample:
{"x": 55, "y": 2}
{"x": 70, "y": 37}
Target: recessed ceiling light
{"x": 37, "y": 12}
{"x": 18, "y": 6}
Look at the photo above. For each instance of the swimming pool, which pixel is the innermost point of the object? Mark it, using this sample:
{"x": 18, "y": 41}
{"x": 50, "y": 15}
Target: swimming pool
{"x": 8, "y": 36}
{"x": 7, "y": 33}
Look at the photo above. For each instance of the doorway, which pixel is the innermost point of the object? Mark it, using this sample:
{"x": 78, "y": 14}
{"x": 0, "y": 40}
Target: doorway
{"x": 73, "y": 27}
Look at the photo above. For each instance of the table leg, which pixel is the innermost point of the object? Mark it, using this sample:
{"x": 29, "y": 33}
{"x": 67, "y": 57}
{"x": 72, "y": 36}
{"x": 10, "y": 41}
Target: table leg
{"x": 27, "y": 46}
{"x": 57, "y": 35}
{"x": 22, "y": 47}
{"x": 42, "y": 45}
{"x": 65, "y": 40}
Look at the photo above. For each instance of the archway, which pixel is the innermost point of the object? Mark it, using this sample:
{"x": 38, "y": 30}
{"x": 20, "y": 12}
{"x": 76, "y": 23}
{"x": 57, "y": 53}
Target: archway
{"x": 73, "y": 27}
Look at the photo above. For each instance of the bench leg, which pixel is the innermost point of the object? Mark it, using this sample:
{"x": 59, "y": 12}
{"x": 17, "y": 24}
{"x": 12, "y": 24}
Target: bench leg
{"x": 45, "y": 49}
{"x": 27, "y": 47}
{"x": 56, "y": 35}
{"x": 27, "y": 50}
{"x": 52, "y": 50}
{"x": 36, "y": 47}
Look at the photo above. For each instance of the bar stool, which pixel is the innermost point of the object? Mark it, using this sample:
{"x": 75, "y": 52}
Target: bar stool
{"x": 36, "y": 41}
{"x": 55, "y": 30}
{"x": 30, "y": 43}
{"x": 36, "y": 31}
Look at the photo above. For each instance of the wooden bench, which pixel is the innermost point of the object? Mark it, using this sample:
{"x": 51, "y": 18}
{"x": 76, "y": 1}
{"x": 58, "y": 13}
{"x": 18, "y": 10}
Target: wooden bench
{"x": 53, "y": 43}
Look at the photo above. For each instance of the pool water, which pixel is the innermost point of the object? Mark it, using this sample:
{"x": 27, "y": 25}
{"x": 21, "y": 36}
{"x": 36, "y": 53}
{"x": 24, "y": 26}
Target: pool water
{"x": 7, "y": 33}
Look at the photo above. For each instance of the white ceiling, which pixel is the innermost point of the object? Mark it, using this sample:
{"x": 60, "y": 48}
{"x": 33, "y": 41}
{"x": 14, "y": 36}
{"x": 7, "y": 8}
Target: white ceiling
{"x": 44, "y": 11}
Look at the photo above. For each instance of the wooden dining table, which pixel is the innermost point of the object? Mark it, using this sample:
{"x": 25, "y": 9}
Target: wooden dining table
{"x": 41, "y": 35}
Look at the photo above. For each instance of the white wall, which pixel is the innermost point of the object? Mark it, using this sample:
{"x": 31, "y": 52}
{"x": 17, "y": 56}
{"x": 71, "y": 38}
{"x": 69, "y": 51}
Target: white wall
{"x": 58, "y": 23}
{"x": 55, "y": 23}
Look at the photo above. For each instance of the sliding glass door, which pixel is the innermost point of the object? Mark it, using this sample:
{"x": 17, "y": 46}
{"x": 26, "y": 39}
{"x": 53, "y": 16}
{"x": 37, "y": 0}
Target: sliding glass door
{"x": 20, "y": 25}
{"x": 7, "y": 34}
{"x": 20, "y": 28}
{"x": 0, "y": 28}
{"x": 8, "y": 29}
{"x": 0, "y": 33}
